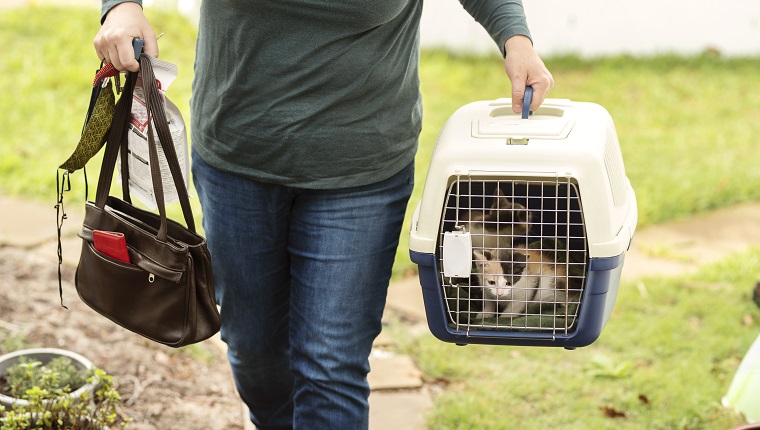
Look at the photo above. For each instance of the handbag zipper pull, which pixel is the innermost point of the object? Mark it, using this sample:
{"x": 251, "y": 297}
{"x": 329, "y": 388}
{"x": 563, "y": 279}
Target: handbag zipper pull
{"x": 151, "y": 278}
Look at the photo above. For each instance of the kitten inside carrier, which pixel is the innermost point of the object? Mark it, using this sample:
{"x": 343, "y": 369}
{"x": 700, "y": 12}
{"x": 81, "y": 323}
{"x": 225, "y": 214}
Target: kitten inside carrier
{"x": 528, "y": 254}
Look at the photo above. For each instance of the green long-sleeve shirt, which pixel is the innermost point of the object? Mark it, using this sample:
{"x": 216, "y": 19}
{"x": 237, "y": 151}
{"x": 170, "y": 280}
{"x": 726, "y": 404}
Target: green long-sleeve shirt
{"x": 316, "y": 93}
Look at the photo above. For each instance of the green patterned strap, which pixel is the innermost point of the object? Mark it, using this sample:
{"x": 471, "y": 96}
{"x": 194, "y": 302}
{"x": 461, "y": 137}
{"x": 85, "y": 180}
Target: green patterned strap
{"x": 94, "y": 134}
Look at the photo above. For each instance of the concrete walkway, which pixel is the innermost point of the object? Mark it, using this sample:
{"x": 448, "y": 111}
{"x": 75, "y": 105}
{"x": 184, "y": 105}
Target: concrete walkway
{"x": 400, "y": 398}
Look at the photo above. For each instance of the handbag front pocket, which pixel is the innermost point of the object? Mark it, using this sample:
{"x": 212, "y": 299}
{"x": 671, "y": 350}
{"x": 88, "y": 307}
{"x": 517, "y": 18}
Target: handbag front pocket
{"x": 153, "y": 305}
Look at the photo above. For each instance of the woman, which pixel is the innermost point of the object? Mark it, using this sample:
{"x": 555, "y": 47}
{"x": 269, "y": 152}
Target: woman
{"x": 305, "y": 119}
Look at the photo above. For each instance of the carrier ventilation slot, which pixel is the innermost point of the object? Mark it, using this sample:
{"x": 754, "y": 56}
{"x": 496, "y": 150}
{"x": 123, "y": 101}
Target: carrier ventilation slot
{"x": 528, "y": 257}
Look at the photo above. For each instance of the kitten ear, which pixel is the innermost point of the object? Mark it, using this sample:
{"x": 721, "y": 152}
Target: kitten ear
{"x": 478, "y": 261}
{"x": 488, "y": 254}
{"x": 519, "y": 256}
{"x": 520, "y": 212}
{"x": 505, "y": 266}
{"x": 514, "y": 267}
{"x": 500, "y": 201}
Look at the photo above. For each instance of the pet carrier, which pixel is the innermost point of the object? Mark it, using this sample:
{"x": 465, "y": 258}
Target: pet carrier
{"x": 523, "y": 225}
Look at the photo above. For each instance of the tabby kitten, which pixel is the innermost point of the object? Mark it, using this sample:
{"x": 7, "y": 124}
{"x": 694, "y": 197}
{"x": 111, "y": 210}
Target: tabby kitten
{"x": 497, "y": 226}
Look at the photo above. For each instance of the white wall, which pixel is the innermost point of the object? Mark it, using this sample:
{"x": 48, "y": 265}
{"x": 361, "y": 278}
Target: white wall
{"x": 608, "y": 27}
{"x": 595, "y": 27}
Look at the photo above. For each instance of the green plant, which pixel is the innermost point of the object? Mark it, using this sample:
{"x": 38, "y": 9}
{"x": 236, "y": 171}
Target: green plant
{"x": 46, "y": 389}
{"x": 603, "y": 366}
{"x": 58, "y": 375}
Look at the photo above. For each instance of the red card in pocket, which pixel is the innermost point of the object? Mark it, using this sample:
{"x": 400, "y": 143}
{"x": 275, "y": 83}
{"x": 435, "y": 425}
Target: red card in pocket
{"x": 111, "y": 243}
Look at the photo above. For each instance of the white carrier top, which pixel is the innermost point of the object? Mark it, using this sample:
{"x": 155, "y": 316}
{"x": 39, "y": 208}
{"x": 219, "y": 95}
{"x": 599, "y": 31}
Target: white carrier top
{"x": 566, "y": 139}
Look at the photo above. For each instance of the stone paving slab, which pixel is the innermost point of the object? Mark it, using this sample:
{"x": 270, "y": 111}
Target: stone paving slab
{"x": 399, "y": 410}
{"x": 25, "y": 224}
{"x": 384, "y": 340}
{"x": 28, "y": 223}
{"x": 405, "y": 298}
{"x": 390, "y": 371}
{"x": 683, "y": 246}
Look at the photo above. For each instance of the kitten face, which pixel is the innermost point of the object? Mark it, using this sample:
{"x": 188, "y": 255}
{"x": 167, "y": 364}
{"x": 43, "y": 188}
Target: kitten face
{"x": 489, "y": 271}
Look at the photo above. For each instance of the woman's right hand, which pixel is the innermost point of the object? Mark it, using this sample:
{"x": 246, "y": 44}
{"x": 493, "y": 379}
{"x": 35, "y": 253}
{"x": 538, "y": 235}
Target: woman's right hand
{"x": 113, "y": 43}
{"x": 525, "y": 67}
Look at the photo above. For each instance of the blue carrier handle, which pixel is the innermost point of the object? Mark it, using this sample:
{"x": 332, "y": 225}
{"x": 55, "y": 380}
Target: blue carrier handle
{"x": 527, "y": 99}
{"x": 137, "y": 44}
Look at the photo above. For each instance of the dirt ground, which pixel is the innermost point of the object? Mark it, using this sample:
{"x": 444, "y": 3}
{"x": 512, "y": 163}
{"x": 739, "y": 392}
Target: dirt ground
{"x": 161, "y": 388}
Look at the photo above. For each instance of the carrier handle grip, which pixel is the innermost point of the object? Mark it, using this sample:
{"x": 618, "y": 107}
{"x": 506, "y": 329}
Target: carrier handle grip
{"x": 527, "y": 99}
{"x": 137, "y": 45}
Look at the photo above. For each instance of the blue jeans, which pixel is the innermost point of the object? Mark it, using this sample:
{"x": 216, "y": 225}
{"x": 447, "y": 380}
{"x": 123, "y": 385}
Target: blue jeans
{"x": 301, "y": 276}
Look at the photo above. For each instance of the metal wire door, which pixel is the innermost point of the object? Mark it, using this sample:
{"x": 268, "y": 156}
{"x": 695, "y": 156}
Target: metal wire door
{"x": 529, "y": 253}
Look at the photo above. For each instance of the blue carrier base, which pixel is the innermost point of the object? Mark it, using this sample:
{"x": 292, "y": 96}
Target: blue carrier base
{"x": 596, "y": 306}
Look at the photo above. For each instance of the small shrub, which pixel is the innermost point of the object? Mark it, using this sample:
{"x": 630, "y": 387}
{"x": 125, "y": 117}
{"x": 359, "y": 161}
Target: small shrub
{"x": 46, "y": 388}
{"x": 56, "y": 377}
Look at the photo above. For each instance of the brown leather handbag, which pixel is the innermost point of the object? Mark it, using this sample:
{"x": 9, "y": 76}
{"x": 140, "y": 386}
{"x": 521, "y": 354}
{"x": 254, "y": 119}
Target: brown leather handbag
{"x": 166, "y": 292}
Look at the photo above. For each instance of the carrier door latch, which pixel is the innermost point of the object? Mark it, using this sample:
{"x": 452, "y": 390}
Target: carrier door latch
{"x": 457, "y": 253}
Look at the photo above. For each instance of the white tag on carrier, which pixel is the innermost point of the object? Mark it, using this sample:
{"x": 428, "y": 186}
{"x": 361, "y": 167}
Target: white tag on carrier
{"x": 457, "y": 254}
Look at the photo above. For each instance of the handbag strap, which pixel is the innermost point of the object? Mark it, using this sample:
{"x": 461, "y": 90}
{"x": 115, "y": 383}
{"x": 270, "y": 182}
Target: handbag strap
{"x": 167, "y": 144}
{"x": 116, "y": 134}
{"x": 118, "y": 142}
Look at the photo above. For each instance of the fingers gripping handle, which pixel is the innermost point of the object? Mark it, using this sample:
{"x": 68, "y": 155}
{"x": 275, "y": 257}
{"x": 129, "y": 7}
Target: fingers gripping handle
{"x": 527, "y": 99}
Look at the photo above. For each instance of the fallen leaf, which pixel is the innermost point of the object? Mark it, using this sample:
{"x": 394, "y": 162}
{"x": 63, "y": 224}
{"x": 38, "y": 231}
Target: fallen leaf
{"x": 611, "y": 412}
{"x": 643, "y": 399}
{"x": 441, "y": 381}
{"x": 747, "y": 320}
{"x": 694, "y": 323}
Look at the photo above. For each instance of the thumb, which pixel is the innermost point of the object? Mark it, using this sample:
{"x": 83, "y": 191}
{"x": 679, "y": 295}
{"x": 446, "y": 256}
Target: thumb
{"x": 518, "y": 93}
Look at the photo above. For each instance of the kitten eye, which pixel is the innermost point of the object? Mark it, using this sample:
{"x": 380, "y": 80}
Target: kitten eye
{"x": 491, "y": 282}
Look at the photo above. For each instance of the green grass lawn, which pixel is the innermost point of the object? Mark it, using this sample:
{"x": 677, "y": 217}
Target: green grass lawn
{"x": 688, "y": 127}
{"x": 689, "y": 131}
{"x": 665, "y": 359}
{"x": 47, "y": 68}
